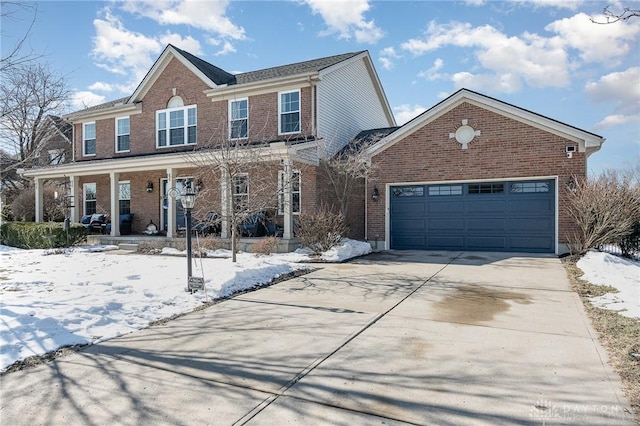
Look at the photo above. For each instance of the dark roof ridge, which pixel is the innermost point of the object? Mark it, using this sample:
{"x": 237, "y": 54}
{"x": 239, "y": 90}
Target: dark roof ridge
{"x": 216, "y": 74}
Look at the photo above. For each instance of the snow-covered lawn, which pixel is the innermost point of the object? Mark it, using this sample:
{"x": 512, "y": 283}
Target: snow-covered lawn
{"x": 623, "y": 274}
{"x": 88, "y": 295}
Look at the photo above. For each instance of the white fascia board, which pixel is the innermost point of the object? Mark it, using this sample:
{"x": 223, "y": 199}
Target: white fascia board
{"x": 585, "y": 139}
{"x": 261, "y": 87}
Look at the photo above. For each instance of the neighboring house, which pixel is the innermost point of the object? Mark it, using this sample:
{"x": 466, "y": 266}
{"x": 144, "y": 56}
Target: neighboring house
{"x": 132, "y": 155}
{"x": 56, "y": 147}
{"x": 475, "y": 173}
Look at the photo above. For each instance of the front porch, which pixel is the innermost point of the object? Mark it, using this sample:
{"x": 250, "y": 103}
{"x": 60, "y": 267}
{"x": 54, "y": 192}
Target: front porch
{"x": 131, "y": 242}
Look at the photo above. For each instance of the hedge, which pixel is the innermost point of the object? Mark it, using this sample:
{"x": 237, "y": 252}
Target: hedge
{"x": 43, "y": 235}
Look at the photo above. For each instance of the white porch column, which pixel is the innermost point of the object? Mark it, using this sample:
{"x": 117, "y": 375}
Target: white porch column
{"x": 224, "y": 204}
{"x": 39, "y": 187}
{"x": 287, "y": 186}
{"x": 115, "y": 205}
{"x": 170, "y": 196}
{"x": 74, "y": 192}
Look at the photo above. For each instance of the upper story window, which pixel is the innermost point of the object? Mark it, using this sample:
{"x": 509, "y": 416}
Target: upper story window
{"x": 295, "y": 191}
{"x": 176, "y": 126}
{"x": 89, "y": 139}
{"x": 90, "y": 199}
{"x": 238, "y": 119}
{"x": 122, "y": 134}
{"x": 289, "y": 112}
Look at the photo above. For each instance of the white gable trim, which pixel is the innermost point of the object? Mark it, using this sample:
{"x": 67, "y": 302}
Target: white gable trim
{"x": 588, "y": 142}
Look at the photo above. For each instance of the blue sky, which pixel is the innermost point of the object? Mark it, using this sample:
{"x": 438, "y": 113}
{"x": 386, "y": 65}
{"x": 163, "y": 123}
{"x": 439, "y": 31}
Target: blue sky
{"x": 545, "y": 55}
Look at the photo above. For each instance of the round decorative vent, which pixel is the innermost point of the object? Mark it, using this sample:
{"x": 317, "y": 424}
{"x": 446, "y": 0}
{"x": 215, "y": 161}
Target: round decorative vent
{"x": 465, "y": 134}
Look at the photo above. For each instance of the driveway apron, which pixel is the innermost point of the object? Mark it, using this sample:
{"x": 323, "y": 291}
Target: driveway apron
{"x": 393, "y": 338}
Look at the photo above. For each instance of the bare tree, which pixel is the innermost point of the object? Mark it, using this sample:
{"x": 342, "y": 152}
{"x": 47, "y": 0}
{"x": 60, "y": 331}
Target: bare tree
{"x": 241, "y": 171}
{"x": 29, "y": 94}
{"x": 11, "y": 10}
{"x": 611, "y": 17}
{"x": 605, "y": 208}
{"x": 347, "y": 170}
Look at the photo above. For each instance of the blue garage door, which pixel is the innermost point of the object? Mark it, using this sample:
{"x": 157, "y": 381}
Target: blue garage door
{"x": 489, "y": 216}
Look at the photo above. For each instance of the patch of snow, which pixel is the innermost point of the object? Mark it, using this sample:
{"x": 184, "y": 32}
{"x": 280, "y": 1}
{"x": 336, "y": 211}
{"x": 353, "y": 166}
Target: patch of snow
{"x": 346, "y": 250}
{"x": 623, "y": 274}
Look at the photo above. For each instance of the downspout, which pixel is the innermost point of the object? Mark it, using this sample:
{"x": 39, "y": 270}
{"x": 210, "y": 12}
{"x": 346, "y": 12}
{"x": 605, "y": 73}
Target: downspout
{"x": 313, "y": 107}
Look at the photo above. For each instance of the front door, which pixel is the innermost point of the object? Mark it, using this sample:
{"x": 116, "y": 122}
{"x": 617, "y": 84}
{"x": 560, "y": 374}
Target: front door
{"x": 172, "y": 195}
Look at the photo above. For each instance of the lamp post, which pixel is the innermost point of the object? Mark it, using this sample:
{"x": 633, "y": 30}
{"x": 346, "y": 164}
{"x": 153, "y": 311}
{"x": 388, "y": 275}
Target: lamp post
{"x": 188, "y": 199}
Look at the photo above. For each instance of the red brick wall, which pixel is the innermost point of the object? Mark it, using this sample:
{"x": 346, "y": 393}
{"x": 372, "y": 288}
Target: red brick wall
{"x": 506, "y": 148}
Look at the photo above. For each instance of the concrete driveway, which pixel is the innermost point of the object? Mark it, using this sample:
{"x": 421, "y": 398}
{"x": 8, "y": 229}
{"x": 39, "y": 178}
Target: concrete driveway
{"x": 393, "y": 338}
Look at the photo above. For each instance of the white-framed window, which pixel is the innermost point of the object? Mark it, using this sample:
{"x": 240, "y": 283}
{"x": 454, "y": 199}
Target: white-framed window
{"x": 56, "y": 156}
{"x": 239, "y": 119}
{"x": 89, "y": 139}
{"x": 124, "y": 197}
{"x": 295, "y": 191}
{"x": 176, "y": 126}
{"x": 89, "y": 195}
{"x": 240, "y": 189}
{"x": 123, "y": 131}
{"x": 289, "y": 112}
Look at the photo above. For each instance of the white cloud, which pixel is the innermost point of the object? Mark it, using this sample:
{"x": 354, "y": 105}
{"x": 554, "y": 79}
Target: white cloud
{"x": 85, "y": 99}
{"x": 432, "y": 73}
{"x": 509, "y": 61}
{"x": 387, "y": 56}
{"x": 209, "y": 16}
{"x": 346, "y": 18}
{"x": 502, "y": 83}
{"x": 617, "y": 120}
{"x": 101, "y": 87}
{"x": 188, "y": 43}
{"x": 560, "y": 4}
{"x": 404, "y": 113}
{"x": 121, "y": 51}
{"x": 620, "y": 88}
{"x": 226, "y": 49}
{"x": 596, "y": 43}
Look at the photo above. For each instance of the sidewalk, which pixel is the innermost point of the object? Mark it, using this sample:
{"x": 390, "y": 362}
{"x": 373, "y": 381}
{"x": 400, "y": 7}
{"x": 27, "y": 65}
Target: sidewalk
{"x": 395, "y": 338}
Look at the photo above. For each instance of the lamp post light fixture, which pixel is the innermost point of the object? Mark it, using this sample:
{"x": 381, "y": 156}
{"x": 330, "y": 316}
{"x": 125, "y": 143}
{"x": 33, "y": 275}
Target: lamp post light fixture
{"x": 188, "y": 199}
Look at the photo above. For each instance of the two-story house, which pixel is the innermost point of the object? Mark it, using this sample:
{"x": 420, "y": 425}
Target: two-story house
{"x": 135, "y": 154}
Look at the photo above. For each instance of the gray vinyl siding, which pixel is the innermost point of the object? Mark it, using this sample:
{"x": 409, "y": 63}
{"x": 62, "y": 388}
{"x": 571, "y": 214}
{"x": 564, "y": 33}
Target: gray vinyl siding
{"x": 347, "y": 104}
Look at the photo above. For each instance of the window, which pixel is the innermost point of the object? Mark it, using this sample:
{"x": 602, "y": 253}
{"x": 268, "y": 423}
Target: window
{"x": 486, "y": 188}
{"x": 295, "y": 191}
{"x": 176, "y": 126}
{"x": 289, "y": 111}
{"x": 530, "y": 187}
{"x": 124, "y": 197}
{"x": 89, "y": 139}
{"x": 56, "y": 156}
{"x": 445, "y": 190}
{"x": 240, "y": 192}
{"x": 122, "y": 134}
{"x": 89, "y": 196}
{"x": 408, "y": 191}
{"x": 238, "y": 119}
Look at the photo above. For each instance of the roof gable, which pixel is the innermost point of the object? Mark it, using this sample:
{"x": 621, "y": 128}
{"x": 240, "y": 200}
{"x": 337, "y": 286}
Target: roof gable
{"x": 211, "y": 75}
{"x": 589, "y": 142}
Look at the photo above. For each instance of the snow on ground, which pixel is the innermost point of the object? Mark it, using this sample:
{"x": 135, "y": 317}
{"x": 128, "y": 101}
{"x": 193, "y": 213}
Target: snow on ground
{"x": 87, "y": 295}
{"x": 606, "y": 269}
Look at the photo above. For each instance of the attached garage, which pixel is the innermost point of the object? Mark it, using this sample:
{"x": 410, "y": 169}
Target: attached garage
{"x": 475, "y": 173}
{"x": 491, "y": 216}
